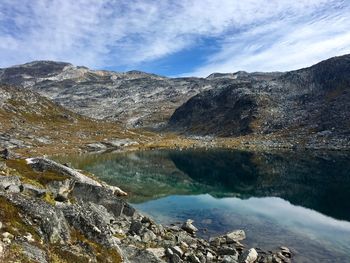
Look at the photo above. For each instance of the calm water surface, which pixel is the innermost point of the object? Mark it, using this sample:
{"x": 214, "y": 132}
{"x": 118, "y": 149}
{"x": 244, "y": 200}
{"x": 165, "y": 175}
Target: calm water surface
{"x": 297, "y": 199}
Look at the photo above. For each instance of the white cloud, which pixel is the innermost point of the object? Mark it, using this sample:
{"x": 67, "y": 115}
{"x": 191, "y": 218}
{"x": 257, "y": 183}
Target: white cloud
{"x": 282, "y": 45}
{"x": 99, "y": 33}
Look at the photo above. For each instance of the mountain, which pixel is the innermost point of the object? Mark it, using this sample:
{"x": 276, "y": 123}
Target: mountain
{"x": 133, "y": 98}
{"x": 311, "y": 102}
{"x": 31, "y": 122}
{"x": 314, "y": 100}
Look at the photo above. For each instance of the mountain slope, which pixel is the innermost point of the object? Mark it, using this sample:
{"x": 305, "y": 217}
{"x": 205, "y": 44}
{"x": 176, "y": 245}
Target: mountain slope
{"x": 133, "y": 98}
{"x": 313, "y": 100}
{"x": 34, "y": 123}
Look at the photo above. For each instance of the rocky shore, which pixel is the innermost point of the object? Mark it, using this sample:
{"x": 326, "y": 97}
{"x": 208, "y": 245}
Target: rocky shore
{"x": 50, "y": 212}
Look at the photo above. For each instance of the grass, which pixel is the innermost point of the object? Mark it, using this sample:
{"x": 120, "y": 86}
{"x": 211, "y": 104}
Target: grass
{"x": 12, "y": 221}
{"x": 27, "y": 174}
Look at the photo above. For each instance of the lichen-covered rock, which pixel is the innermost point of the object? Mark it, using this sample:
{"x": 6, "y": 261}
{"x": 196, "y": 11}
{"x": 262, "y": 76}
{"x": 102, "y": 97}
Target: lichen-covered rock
{"x": 43, "y": 164}
{"x": 103, "y": 196}
{"x": 50, "y": 219}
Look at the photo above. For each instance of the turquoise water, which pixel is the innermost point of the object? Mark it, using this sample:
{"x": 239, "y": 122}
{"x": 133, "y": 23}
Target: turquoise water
{"x": 296, "y": 199}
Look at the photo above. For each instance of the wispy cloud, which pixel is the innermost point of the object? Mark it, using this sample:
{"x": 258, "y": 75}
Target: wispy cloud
{"x": 250, "y": 35}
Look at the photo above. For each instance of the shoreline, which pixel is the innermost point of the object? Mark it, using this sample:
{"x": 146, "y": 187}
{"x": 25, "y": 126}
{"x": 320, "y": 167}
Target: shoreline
{"x": 107, "y": 221}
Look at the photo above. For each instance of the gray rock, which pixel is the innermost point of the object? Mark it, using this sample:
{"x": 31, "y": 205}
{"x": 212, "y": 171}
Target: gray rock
{"x": 61, "y": 189}
{"x": 148, "y": 236}
{"x": 189, "y": 227}
{"x": 225, "y": 250}
{"x": 96, "y": 147}
{"x": 33, "y": 190}
{"x": 210, "y": 257}
{"x": 6, "y": 181}
{"x": 43, "y": 164}
{"x": 286, "y": 252}
{"x": 2, "y": 249}
{"x": 229, "y": 259}
{"x": 102, "y": 196}
{"x": 34, "y": 253}
{"x": 177, "y": 250}
{"x": 236, "y": 235}
{"x": 158, "y": 252}
{"x": 120, "y": 143}
{"x": 193, "y": 258}
{"x": 93, "y": 220}
{"x": 175, "y": 258}
{"x": 133, "y": 254}
{"x": 13, "y": 189}
{"x": 7, "y": 153}
{"x": 7, "y": 235}
{"x": 136, "y": 227}
{"x": 217, "y": 241}
{"x": 49, "y": 219}
{"x": 249, "y": 256}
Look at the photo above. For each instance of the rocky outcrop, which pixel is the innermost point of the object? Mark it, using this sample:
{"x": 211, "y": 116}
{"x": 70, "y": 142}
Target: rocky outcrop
{"x": 313, "y": 101}
{"x": 75, "y": 220}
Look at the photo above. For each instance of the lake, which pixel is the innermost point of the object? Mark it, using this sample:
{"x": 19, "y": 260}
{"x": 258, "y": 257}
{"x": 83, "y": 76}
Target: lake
{"x": 297, "y": 199}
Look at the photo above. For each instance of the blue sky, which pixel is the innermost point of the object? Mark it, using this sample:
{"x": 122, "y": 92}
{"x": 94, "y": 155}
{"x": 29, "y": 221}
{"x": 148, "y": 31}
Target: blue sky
{"x": 175, "y": 38}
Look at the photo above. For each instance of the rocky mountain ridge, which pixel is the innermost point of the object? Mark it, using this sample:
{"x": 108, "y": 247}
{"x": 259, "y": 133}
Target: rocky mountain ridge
{"x": 312, "y": 101}
{"x": 134, "y": 98}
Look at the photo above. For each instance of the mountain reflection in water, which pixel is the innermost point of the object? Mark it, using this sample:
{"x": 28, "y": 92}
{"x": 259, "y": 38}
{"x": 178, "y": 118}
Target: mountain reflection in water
{"x": 298, "y": 199}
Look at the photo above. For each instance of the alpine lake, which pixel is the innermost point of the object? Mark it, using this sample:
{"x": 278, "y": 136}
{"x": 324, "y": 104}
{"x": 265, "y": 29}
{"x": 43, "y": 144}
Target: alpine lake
{"x": 298, "y": 199}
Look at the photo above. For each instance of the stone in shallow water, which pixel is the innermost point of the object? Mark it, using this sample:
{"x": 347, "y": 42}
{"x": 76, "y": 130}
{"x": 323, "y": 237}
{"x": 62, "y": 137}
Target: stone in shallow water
{"x": 236, "y": 235}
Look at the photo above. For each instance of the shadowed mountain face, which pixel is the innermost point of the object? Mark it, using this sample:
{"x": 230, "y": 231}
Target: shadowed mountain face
{"x": 310, "y": 100}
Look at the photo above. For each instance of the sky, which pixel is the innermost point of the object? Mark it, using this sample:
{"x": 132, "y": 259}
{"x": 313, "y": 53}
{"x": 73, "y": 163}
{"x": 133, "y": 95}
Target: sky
{"x": 175, "y": 37}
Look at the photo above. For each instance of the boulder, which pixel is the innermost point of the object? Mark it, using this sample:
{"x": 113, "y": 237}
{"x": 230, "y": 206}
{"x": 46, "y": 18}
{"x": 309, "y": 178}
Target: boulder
{"x": 102, "y": 196}
{"x": 136, "y": 227}
{"x": 33, "y": 252}
{"x": 50, "y": 219}
{"x": 189, "y": 227}
{"x": 6, "y": 181}
{"x": 33, "y": 190}
{"x": 229, "y": 259}
{"x": 61, "y": 189}
{"x": 96, "y": 147}
{"x": 236, "y": 235}
{"x": 43, "y": 164}
{"x": 248, "y": 256}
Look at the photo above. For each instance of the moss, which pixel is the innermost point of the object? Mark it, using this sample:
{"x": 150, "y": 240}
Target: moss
{"x": 58, "y": 255}
{"x": 15, "y": 254}
{"x": 102, "y": 254}
{"x": 27, "y": 174}
{"x": 48, "y": 198}
{"x": 13, "y": 223}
